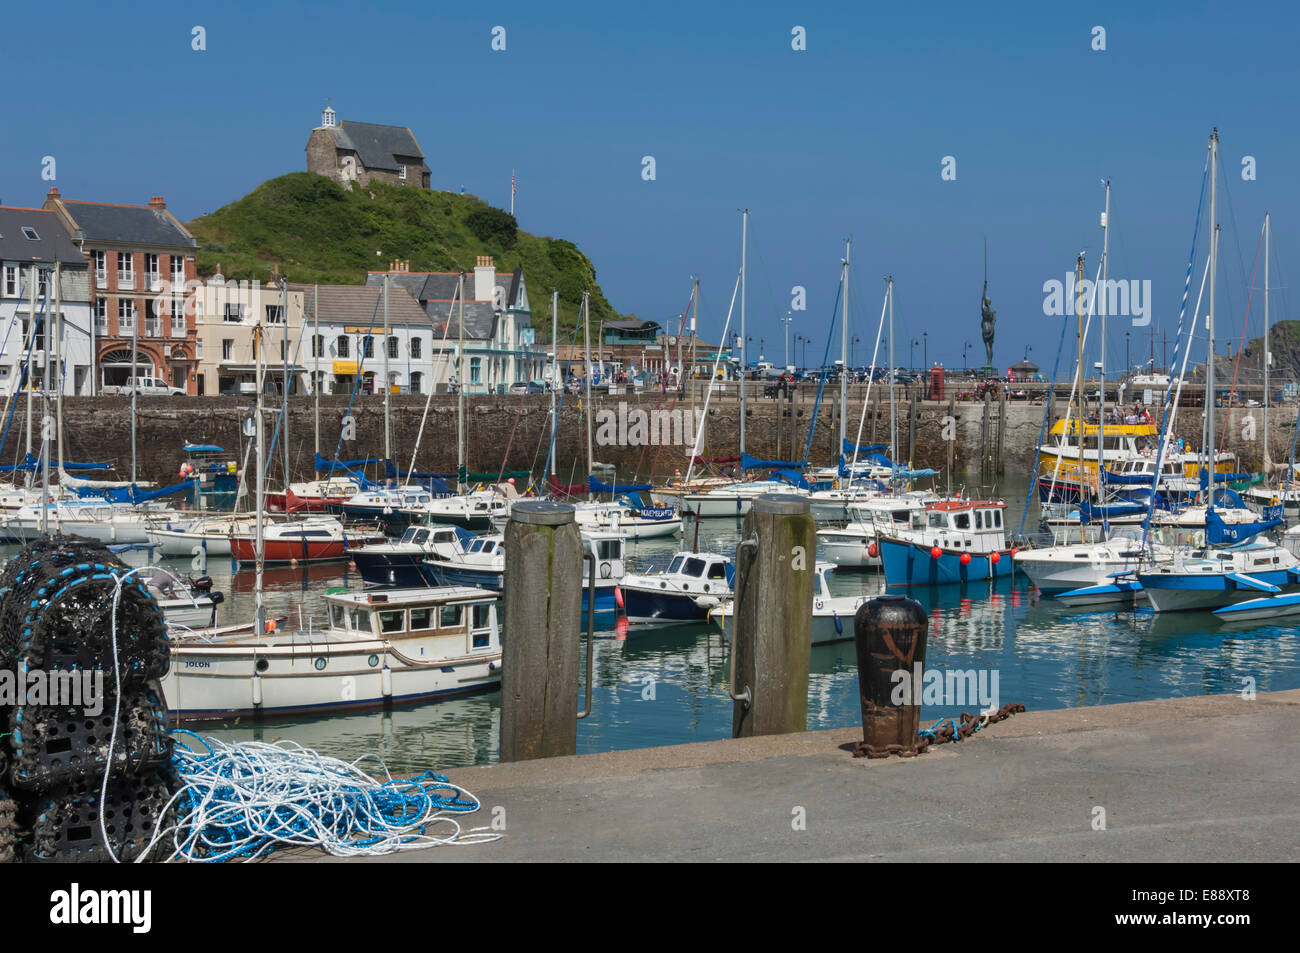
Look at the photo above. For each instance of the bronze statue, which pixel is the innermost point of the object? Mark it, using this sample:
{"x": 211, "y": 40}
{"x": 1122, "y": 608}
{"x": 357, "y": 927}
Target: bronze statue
{"x": 988, "y": 314}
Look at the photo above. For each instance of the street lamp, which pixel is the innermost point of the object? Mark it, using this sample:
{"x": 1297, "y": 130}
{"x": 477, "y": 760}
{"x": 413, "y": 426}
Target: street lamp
{"x": 853, "y": 349}
{"x": 925, "y": 349}
{"x": 910, "y": 351}
{"x": 789, "y": 316}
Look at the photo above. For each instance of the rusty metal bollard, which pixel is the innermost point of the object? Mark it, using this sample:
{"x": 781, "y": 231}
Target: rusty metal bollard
{"x": 889, "y": 633}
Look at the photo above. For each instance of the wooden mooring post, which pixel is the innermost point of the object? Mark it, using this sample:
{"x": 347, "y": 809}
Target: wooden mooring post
{"x": 542, "y": 596}
{"x": 772, "y": 627}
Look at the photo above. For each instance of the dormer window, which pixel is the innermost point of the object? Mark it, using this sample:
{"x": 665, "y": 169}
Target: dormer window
{"x": 29, "y": 233}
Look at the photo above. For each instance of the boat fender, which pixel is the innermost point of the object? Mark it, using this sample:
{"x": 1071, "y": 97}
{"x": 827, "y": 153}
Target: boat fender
{"x": 965, "y": 559}
{"x": 706, "y": 602}
{"x": 386, "y": 681}
{"x": 873, "y": 550}
{"x": 257, "y": 690}
{"x": 618, "y": 596}
{"x": 217, "y": 598}
{"x": 936, "y": 552}
{"x": 839, "y": 626}
{"x": 994, "y": 558}
{"x": 494, "y": 666}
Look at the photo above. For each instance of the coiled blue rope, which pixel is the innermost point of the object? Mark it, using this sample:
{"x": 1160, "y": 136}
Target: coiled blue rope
{"x": 243, "y": 801}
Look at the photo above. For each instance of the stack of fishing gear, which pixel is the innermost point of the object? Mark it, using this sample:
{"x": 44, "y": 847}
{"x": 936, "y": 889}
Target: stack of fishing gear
{"x": 85, "y": 755}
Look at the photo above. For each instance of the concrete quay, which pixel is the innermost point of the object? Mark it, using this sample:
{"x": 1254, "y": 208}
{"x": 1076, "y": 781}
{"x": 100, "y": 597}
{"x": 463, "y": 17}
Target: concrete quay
{"x": 1203, "y": 779}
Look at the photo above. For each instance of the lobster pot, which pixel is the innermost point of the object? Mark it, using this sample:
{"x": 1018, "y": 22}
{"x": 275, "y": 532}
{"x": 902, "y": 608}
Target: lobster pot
{"x": 65, "y": 827}
{"x": 96, "y": 665}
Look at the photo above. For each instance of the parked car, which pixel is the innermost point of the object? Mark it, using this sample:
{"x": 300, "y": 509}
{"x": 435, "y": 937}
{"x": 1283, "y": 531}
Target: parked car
{"x": 144, "y": 386}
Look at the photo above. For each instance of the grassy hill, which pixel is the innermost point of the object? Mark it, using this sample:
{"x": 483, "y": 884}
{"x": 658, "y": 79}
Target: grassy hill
{"x": 315, "y": 230}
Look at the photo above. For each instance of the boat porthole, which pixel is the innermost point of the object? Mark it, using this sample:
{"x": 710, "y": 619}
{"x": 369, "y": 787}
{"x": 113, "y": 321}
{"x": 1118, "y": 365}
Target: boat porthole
{"x": 706, "y": 587}
{"x": 320, "y": 664}
{"x": 372, "y": 661}
{"x": 263, "y": 665}
{"x": 663, "y": 585}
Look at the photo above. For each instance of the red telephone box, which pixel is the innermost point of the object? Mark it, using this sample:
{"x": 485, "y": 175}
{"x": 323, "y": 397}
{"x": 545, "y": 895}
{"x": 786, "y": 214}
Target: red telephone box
{"x": 936, "y": 383}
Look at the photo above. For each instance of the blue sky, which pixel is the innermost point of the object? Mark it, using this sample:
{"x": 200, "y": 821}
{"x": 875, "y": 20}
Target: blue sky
{"x": 842, "y": 139}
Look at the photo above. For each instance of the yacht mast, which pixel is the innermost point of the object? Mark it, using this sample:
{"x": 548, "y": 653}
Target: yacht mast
{"x": 1214, "y": 267}
{"x": 259, "y": 536}
{"x": 1100, "y": 297}
{"x": 1268, "y": 356}
{"x": 388, "y": 429}
{"x": 555, "y": 368}
{"x": 586, "y": 335}
{"x": 460, "y": 388}
{"x": 744, "y": 362}
{"x": 844, "y": 357}
{"x": 893, "y": 425}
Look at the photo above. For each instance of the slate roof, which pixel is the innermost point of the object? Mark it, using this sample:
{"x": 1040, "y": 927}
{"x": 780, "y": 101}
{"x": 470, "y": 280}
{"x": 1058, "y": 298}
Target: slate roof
{"x": 137, "y": 225}
{"x": 425, "y": 286}
{"x": 480, "y": 320}
{"x": 378, "y": 146}
{"x": 51, "y": 244}
{"x": 355, "y": 305}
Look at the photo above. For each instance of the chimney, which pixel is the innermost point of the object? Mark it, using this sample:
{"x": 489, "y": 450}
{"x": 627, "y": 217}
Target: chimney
{"x": 157, "y": 202}
{"x": 485, "y": 279}
{"x": 53, "y": 193}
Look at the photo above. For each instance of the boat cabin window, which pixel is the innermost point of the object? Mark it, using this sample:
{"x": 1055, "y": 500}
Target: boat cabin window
{"x": 938, "y": 520}
{"x": 392, "y": 620}
{"x": 997, "y": 518}
{"x": 901, "y": 516}
{"x": 338, "y": 617}
{"x": 361, "y": 621}
{"x": 451, "y": 617}
{"x": 718, "y": 571}
{"x": 962, "y": 520}
{"x": 694, "y": 567}
{"x": 421, "y": 619}
{"x": 610, "y": 549}
{"x": 481, "y": 637}
{"x": 409, "y": 535}
{"x": 676, "y": 565}
{"x": 421, "y": 535}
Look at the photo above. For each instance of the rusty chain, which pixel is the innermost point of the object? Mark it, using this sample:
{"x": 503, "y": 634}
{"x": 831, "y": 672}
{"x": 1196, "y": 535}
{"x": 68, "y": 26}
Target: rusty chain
{"x": 942, "y": 731}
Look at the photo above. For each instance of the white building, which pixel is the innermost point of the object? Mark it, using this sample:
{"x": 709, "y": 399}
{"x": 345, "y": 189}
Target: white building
{"x": 32, "y": 238}
{"x": 226, "y": 314}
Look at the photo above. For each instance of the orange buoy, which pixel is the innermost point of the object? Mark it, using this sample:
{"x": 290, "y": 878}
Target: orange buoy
{"x": 936, "y": 552}
{"x": 873, "y": 550}
{"x": 965, "y": 559}
{"x": 995, "y": 557}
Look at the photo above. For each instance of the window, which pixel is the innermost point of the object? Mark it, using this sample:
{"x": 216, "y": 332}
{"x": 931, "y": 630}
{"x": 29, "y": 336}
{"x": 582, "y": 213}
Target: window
{"x": 29, "y": 233}
{"x": 125, "y": 270}
{"x": 338, "y": 617}
{"x": 694, "y": 567}
{"x": 178, "y": 317}
{"x": 275, "y": 314}
{"x": 361, "y": 621}
{"x": 234, "y": 313}
{"x": 480, "y": 639}
{"x": 38, "y": 343}
{"x": 101, "y": 269}
{"x": 198, "y": 351}
{"x": 101, "y": 315}
{"x": 421, "y": 619}
{"x": 342, "y": 345}
{"x": 475, "y": 370}
{"x": 451, "y": 617}
{"x": 125, "y": 315}
{"x": 401, "y": 170}
{"x": 151, "y": 271}
{"x": 317, "y": 345}
{"x": 417, "y": 382}
{"x": 415, "y": 347}
{"x": 368, "y": 347}
{"x": 11, "y": 281}
{"x": 178, "y": 272}
{"x": 392, "y": 620}
{"x": 717, "y": 571}
{"x": 392, "y": 347}
{"x": 42, "y": 282}
{"x": 962, "y": 520}
{"x": 227, "y": 349}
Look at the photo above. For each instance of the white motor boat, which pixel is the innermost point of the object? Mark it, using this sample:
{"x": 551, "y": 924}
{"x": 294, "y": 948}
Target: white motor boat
{"x": 1065, "y": 568}
{"x": 691, "y": 586}
{"x": 209, "y": 535}
{"x": 854, "y": 545}
{"x": 832, "y": 616}
{"x": 377, "y": 648}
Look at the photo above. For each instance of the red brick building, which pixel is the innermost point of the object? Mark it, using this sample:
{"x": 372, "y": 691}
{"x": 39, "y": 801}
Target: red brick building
{"x": 141, "y": 258}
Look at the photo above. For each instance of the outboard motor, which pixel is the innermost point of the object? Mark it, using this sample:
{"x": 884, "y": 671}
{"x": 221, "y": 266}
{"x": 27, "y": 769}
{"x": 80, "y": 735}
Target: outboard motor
{"x": 202, "y": 585}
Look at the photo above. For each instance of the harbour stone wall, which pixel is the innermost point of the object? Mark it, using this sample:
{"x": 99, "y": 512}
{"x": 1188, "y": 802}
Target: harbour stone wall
{"x": 512, "y": 432}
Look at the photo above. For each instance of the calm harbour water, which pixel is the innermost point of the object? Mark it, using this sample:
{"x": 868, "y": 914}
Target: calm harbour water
{"x": 668, "y": 685}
